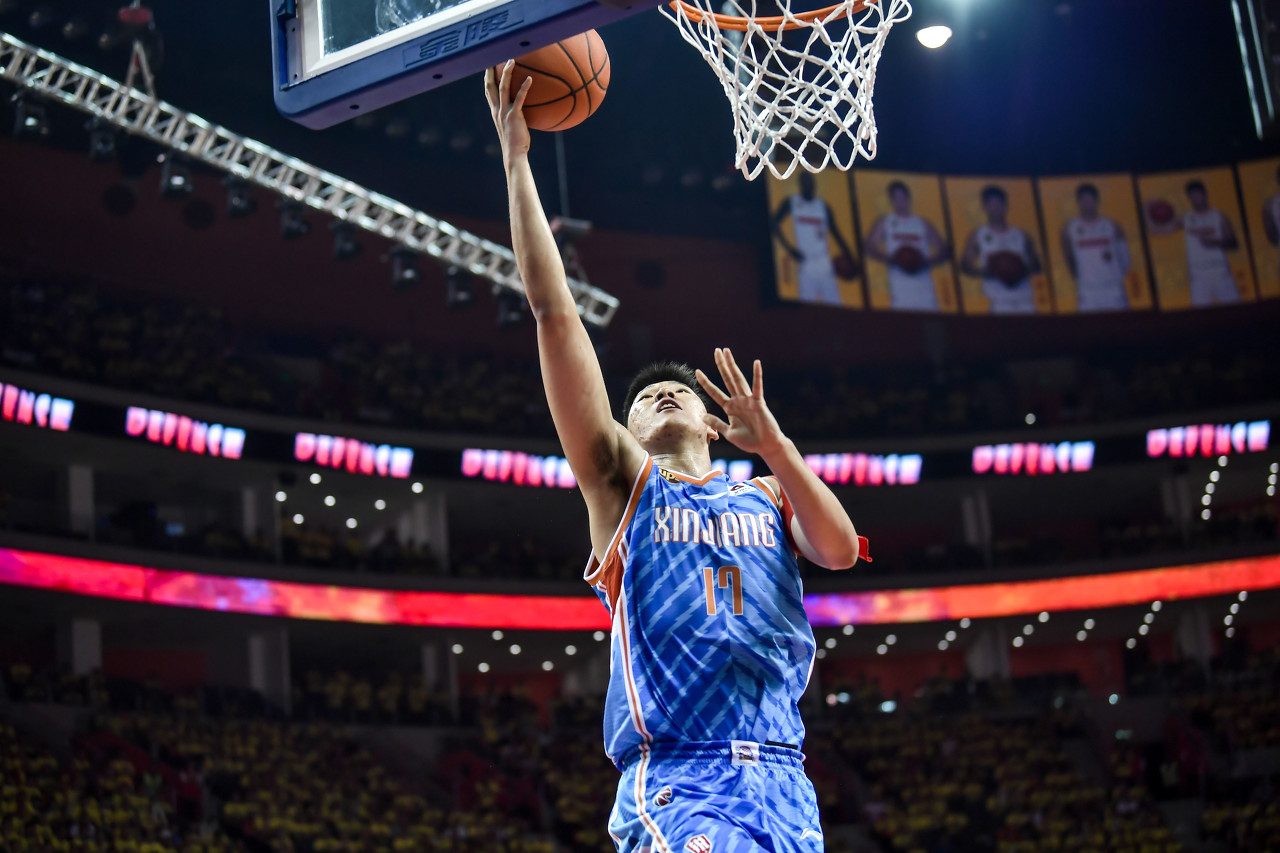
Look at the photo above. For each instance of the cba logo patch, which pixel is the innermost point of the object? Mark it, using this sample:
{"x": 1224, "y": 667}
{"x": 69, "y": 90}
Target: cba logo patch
{"x": 698, "y": 844}
{"x": 663, "y": 797}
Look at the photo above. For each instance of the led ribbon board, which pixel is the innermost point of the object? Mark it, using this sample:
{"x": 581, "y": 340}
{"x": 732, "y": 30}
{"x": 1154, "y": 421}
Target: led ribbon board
{"x": 262, "y": 597}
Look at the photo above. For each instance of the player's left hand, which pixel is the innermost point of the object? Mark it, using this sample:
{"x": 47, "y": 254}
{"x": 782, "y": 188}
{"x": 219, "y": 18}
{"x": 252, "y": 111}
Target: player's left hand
{"x": 751, "y": 425}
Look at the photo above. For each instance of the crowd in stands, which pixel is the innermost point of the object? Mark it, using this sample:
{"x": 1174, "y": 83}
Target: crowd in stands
{"x": 189, "y": 351}
{"x": 1001, "y": 766}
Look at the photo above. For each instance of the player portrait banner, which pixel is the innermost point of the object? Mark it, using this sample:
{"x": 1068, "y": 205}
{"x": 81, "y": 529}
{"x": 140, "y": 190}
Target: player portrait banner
{"x": 1094, "y": 236}
{"x": 999, "y": 256}
{"x": 814, "y": 251}
{"x": 907, "y": 253}
{"x": 1260, "y": 185}
{"x": 1196, "y": 237}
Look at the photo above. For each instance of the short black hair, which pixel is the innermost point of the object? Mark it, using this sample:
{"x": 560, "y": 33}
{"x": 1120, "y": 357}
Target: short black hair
{"x": 662, "y": 371}
{"x": 1089, "y": 189}
{"x": 898, "y": 186}
{"x": 992, "y": 191}
{"x": 1196, "y": 184}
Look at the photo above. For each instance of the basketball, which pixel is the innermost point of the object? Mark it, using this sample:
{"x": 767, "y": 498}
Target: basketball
{"x": 845, "y": 267}
{"x": 570, "y": 79}
{"x": 1160, "y": 211}
{"x": 1007, "y": 267}
{"x": 909, "y": 259}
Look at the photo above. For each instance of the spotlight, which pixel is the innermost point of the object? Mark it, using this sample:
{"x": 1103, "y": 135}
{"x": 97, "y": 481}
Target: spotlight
{"x": 30, "y": 121}
{"x": 175, "y": 177}
{"x": 345, "y": 244}
{"x": 76, "y": 27}
{"x": 934, "y": 37}
{"x": 42, "y": 16}
{"x": 847, "y": 630}
{"x": 102, "y": 141}
{"x": 239, "y": 202}
{"x": 404, "y": 268}
{"x": 460, "y": 293}
{"x": 483, "y": 667}
{"x": 830, "y": 643}
{"x": 510, "y": 308}
{"x": 292, "y": 224}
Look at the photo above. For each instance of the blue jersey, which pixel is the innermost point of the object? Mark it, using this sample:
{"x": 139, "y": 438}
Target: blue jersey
{"x": 710, "y": 639}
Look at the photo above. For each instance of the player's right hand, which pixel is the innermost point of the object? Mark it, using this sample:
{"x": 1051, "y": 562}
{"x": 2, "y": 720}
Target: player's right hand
{"x": 508, "y": 110}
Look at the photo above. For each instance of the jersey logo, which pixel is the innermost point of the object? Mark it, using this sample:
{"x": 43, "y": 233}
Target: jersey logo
{"x": 698, "y": 844}
{"x": 746, "y": 753}
{"x": 663, "y": 797}
{"x": 739, "y": 488}
{"x": 668, "y": 476}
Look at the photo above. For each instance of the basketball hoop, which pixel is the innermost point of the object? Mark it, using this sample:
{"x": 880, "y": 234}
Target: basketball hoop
{"x": 808, "y": 103}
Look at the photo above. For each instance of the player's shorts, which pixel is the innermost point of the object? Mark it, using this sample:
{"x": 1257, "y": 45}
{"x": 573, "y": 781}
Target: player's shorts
{"x": 1101, "y": 296}
{"x": 817, "y": 280}
{"x": 912, "y": 291}
{"x": 1214, "y": 286}
{"x": 723, "y": 797}
{"x": 1019, "y": 299}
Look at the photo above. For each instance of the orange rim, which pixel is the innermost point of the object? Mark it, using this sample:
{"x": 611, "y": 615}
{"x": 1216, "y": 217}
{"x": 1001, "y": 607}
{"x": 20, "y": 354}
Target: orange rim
{"x": 736, "y": 22}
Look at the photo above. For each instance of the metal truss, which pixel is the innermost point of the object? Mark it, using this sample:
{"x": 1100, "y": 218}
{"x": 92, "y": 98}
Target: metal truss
{"x": 137, "y": 113}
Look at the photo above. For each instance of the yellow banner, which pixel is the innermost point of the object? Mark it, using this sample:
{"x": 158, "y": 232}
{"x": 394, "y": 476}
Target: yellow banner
{"x": 1260, "y": 184}
{"x": 814, "y": 251}
{"x": 999, "y": 255}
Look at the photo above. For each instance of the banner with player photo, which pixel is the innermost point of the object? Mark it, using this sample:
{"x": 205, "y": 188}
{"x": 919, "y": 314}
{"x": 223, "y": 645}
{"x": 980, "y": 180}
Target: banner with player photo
{"x": 1196, "y": 238}
{"x": 904, "y": 242}
{"x": 1260, "y": 183}
{"x": 1094, "y": 236}
{"x": 814, "y": 239}
{"x": 997, "y": 231}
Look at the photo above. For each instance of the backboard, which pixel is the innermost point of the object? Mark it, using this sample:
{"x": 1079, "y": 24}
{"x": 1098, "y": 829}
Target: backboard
{"x": 336, "y": 59}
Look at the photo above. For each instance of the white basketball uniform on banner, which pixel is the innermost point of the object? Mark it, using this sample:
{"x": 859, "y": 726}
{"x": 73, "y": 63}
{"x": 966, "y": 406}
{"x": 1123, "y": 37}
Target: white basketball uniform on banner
{"x": 1100, "y": 264}
{"x": 1272, "y": 211}
{"x": 1208, "y": 271}
{"x": 1018, "y": 299}
{"x": 816, "y": 275}
{"x": 909, "y": 291}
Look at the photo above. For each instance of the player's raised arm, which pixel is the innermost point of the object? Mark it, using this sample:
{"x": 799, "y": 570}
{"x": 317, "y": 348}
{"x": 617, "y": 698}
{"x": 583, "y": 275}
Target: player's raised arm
{"x": 603, "y": 455}
{"x": 820, "y": 527}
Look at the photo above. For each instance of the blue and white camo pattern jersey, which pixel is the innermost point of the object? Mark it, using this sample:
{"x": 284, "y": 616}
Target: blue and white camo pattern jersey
{"x": 710, "y": 641}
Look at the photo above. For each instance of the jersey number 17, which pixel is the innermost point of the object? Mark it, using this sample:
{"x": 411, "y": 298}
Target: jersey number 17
{"x": 728, "y": 577}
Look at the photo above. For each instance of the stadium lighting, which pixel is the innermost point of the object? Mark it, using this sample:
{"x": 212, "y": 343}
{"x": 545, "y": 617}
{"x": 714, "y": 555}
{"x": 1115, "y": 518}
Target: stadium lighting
{"x": 1030, "y": 418}
{"x": 891, "y": 639}
{"x": 379, "y": 504}
{"x": 1243, "y": 596}
{"x": 547, "y": 666}
{"x": 459, "y": 291}
{"x": 515, "y": 649}
{"x": 1082, "y": 635}
{"x": 821, "y": 654}
{"x": 951, "y": 636}
{"x": 1213, "y": 476}
{"x": 456, "y": 648}
{"x": 1143, "y": 629}
{"x": 292, "y": 223}
{"x": 345, "y": 244}
{"x": 1044, "y": 616}
{"x": 965, "y": 623}
{"x": 847, "y": 630}
{"x": 483, "y": 667}
{"x": 598, "y": 636}
{"x": 1231, "y": 632}
{"x": 315, "y": 479}
{"x": 281, "y": 497}
{"x": 1130, "y": 644}
{"x": 404, "y": 267}
{"x": 882, "y": 649}
{"x": 497, "y": 635}
{"x": 1088, "y": 624}
{"x": 942, "y": 645}
{"x": 239, "y": 202}
{"x": 1017, "y": 642}
{"x": 351, "y": 524}
{"x": 1113, "y": 698}
{"x": 571, "y": 650}
{"x": 1155, "y": 606}
{"x": 175, "y": 178}
{"x": 511, "y": 308}
{"x": 1149, "y": 618}
{"x": 330, "y": 500}
{"x": 30, "y": 121}
{"x": 102, "y": 141}
{"x": 1028, "y": 629}
{"x": 888, "y": 706}
{"x": 830, "y": 643}
{"x": 933, "y": 37}
{"x": 297, "y": 518}
{"x": 417, "y": 488}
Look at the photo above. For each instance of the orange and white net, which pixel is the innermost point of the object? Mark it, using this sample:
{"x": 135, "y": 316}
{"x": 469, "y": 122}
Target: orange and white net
{"x": 799, "y": 84}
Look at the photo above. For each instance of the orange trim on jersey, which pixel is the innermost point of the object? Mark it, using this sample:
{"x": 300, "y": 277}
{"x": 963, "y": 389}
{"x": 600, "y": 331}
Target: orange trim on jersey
{"x": 599, "y": 563}
{"x": 763, "y": 484}
{"x": 787, "y": 515}
{"x": 628, "y": 680}
{"x": 685, "y": 478}
{"x": 659, "y": 840}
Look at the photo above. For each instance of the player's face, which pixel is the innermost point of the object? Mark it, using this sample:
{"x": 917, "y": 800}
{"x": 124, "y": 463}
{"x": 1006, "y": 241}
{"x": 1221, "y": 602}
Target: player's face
{"x": 995, "y": 208}
{"x": 900, "y": 202}
{"x": 807, "y": 185}
{"x": 1198, "y": 198}
{"x": 667, "y": 415}
{"x": 1088, "y": 205}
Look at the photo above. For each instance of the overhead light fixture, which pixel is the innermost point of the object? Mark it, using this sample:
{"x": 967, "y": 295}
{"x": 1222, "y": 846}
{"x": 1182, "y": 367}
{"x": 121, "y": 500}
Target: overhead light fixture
{"x": 30, "y": 120}
{"x": 933, "y": 37}
{"x": 175, "y": 177}
{"x": 459, "y": 293}
{"x": 345, "y": 244}
{"x": 102, "y": 141}
{"x": 292, "y": 223}
{"x": 404, "y": 268}
{"x": 511, "y": 307}
{"x": 239, "y": 202}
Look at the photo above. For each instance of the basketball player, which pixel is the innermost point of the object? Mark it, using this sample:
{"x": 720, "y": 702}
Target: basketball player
{"x": 1097, "y": 254}
{"x": 710, "y": 646}
{"x": 1271, "y": 215}
{"x": 909, "y": 290}
{"x": 997, "y": 235}
{"x": 811, "y": 221}
{"x": 1209, "y": 236}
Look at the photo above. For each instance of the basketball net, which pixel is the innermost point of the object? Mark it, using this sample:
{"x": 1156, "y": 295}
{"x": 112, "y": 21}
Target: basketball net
{"x": 802, "y": 99}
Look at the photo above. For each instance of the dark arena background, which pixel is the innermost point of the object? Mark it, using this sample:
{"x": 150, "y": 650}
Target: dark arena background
{"x": 290, "y": 560}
